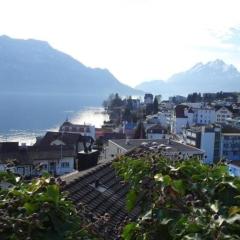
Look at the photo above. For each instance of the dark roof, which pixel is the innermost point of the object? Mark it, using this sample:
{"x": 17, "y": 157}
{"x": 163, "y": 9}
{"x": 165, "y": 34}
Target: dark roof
{"x": 67, "y": 138}
{"x": 100, "y": 191}
{"x": 235, "y": 162}
{"x": 157, "y": 129}
{"x": 8, "y": 147}
{"x": 179, "y": 110}
{"x": 230, "y": 129}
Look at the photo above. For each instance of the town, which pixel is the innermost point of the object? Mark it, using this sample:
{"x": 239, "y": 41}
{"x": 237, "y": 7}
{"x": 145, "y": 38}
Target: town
{"x": 205, "y": 125}
{"x": 83, "y": 159}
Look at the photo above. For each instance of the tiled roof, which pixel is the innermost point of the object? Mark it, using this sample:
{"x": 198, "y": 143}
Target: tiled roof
{"x": 67, "y": 138}
{"x": 101, "y": 192}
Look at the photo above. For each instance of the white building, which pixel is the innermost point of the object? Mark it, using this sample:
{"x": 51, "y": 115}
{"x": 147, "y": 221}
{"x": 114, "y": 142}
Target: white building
{"x": 223, "y": 113}
{"x": 157, "y": 132}
{"x": 204, "y": 115}
{"x": 206, "y": 138}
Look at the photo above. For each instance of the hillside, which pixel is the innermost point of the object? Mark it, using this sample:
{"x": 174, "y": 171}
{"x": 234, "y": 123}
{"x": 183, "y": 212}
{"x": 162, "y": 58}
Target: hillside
{"x": 32, "y": 66}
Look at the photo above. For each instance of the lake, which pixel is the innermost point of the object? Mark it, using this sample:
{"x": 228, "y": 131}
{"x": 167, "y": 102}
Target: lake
{"x": 25, "y": 116}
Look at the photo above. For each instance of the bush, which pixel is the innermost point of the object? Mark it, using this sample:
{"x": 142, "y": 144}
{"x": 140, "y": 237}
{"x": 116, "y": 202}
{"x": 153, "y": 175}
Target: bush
{"x": 182, "y": 199}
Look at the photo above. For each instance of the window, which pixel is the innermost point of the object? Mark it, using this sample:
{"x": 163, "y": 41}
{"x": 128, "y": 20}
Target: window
{"x": 65, "y": 164}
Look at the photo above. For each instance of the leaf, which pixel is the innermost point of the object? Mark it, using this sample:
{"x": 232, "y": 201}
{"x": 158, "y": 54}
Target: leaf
{"x": 178, "y": 186}
{"x": 128, "y": 231}
{"x": 233, "y": 219}
{"x": 131, "y": 200}
{"x": 30, "y": 207}
{"x": 215, "y": 207}
{"x": 233, "y": 210}
{"x": 53, "y": 193}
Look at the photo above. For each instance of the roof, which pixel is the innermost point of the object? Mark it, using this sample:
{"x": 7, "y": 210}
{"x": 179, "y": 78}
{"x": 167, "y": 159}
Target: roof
{"x": 175, "y": 146}
{"x": 235, "y": 162}
{"x": 229, "y": 108}
{"x": 158, "y": 128}
{"x": 67, "y": 138}
{"x": 99, "y": 192}
{"x": 179, "y": 110}
{"x": 228, "y": 129}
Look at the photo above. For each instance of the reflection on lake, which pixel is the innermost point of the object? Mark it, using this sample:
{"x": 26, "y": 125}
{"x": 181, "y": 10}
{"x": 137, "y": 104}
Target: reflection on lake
{"x": 88, "y": 115}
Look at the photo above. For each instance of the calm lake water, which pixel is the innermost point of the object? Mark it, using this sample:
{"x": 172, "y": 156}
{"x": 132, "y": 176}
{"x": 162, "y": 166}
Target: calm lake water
{"x": 25, "y": 116}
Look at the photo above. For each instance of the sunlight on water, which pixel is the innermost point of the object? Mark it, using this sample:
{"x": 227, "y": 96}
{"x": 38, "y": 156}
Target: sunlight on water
{"x": 94, "y": 116}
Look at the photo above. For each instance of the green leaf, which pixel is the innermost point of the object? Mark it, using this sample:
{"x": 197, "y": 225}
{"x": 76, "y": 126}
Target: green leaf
{"x": 178, "y": 186}
{"x": 53, "y": 193}
{"x": 30, "y": 207}
{"x": 128, "y": 231}
{"x": 131, "y": 200}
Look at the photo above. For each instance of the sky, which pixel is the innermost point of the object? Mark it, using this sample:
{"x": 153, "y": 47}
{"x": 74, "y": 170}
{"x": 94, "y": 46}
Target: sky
{"x": 136, "y": 40}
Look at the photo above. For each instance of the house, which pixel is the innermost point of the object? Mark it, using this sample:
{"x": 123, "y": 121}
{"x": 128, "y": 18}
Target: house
{"x": 230, "y": 143}
{"x": 206, "y": 138}
{"x": 183, "y": 117}
{"x": 56, "y": 152}
{"x": 157, "y": 132}
{"x": 118, "y": 147}
{"x": 223, "y": 113}
{"x": 84, "y": 130}
{"x": 204, "y": 115}
{"x": 15, "y": 158}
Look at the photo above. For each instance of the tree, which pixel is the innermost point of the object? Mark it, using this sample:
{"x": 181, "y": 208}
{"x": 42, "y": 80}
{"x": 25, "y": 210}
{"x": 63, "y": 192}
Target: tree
{"x": 181, "y": 199}
{"x": 140, "y": 131}
{"x": 155, "y": 106}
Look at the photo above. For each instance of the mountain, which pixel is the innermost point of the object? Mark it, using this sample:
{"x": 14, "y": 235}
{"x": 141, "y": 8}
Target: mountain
{"x": 210, "y": 77}
{"x": 32, "y": 66}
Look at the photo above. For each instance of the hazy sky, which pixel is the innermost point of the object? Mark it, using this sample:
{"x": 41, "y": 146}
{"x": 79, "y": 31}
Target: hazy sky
{"x": 136, "y": 40}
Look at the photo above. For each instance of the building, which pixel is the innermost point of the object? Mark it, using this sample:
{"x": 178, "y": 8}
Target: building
{"x": 172, "y": 149}
{"x": 157, "y": 132}
{"x": 223, "y": 113}
{"x": 15, "y": 158}
{"x": 56, "y": 151}
{"x": 206, "y": 138}
{"x": 204, "y": 115}
{"x": 230, "y": 143}
{"x": 148, "y": 98}
{"x": 84, "y": 130}
{"x": 234, "y": 168}
{"x": 182, "y": 118}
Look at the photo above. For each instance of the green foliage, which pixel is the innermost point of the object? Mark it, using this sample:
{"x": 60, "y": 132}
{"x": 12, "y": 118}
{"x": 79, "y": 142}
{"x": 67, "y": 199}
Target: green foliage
{"x": 37, "y": 210}
{"x": 184, "y": 199}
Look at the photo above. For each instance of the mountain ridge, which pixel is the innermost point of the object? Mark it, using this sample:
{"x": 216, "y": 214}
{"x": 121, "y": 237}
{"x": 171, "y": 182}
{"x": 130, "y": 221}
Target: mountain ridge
{"x": 212, "y": 76}
{"x": 35, "y": 66}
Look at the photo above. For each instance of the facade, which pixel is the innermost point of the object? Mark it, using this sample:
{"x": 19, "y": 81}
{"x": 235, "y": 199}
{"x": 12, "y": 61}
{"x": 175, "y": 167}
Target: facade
{"x": 206, "y": 138}
{"x": 230, "y": 140}
{"x": 183, "y": 117}
{"x": 223, "y": 113}
{"x": 204, "y": 115}
{"x": 157, "y": 132}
